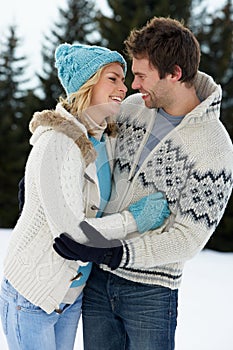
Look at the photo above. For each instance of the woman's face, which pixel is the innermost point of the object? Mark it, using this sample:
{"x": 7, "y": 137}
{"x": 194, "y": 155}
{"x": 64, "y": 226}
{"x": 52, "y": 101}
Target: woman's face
{"x": 108, "y": 93}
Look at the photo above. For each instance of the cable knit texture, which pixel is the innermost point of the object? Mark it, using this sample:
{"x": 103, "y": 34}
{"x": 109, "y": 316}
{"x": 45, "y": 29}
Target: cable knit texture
{"x": 77, "y": 63}
{"x": 61, "y": 189}
{"x": 192, "y": 165}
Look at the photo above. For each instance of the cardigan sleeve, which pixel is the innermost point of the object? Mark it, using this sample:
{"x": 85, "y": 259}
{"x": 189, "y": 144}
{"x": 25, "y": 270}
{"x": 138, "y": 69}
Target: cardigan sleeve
{"x": 201, "y": 206}
{"x": 59, "y": 179}
{"x": 114, "y": 226}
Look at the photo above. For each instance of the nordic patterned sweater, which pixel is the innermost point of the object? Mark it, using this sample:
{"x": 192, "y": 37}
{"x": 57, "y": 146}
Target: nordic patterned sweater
{"x": 192, "y": 165}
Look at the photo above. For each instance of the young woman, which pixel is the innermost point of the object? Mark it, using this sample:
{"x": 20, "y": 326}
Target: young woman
{"x": 67, "y": 178}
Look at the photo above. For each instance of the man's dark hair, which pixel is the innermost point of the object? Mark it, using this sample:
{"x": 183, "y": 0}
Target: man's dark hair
{"x": 166, "y": 42}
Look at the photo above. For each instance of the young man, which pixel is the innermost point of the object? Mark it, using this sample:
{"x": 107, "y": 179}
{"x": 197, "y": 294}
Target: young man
{"x": 171, "y": 140}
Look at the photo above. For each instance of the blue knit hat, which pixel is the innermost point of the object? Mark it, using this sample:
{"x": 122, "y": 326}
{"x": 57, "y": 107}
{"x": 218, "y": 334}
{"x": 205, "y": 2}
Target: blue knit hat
{"x": 77, "y": 63}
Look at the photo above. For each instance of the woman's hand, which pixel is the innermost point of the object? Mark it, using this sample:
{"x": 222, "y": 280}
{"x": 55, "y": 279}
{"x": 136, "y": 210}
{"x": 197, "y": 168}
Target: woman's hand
{"x": 150, "y": 212}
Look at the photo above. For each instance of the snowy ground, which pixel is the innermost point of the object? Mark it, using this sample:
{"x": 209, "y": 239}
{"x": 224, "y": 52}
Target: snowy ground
{"x": 205, "y": 302}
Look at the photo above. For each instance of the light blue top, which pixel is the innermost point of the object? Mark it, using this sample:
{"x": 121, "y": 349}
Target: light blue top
{"x": 104, "y": 178}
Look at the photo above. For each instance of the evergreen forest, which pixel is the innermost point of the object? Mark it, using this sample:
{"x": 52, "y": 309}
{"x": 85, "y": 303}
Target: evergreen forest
{"x": 81, "y": 22}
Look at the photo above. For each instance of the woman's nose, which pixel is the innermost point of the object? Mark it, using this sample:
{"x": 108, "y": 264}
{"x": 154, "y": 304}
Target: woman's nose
{"x": 123, "y": 88}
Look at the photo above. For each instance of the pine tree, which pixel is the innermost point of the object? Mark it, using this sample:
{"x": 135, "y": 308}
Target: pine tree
{"x": 75, "y": 24}
{"x": 216, "y": 38}
{"x": 129, "y": 14}
{"x": 13, "y": 127}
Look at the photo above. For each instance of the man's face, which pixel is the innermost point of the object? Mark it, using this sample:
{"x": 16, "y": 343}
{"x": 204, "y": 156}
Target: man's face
{"x": 155, "y": 92}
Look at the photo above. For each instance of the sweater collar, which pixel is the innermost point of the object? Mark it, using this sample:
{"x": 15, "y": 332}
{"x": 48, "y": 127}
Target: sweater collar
{"x": 96, "y": 129}
{"x": 210, "y": 95}
{"x": 63, "y": 122}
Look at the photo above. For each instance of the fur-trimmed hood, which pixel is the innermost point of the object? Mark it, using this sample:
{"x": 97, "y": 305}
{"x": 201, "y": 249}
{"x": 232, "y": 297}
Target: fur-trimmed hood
{"x": 62, "y": 121}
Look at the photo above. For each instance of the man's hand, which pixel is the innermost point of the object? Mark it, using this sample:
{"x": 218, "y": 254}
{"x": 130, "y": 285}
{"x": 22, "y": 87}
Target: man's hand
{"x": 98, "y": 249}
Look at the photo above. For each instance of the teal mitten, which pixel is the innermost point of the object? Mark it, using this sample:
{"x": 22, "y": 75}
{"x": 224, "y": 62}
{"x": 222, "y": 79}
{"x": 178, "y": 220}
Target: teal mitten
{"x": 150, "y": 212}
{"x": 84, "y": 274}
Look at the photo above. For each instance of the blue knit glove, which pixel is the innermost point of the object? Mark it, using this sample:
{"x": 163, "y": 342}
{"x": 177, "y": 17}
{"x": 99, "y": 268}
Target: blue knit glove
{"x": 150, "y": 212}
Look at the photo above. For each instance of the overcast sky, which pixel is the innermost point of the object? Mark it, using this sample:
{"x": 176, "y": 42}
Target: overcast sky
{"x": 33, "y": 19}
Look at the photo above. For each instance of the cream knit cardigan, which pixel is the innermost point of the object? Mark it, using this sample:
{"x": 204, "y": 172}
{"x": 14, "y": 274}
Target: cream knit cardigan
{"x": 192, "y": 165}
{"x": 61, "y": 189}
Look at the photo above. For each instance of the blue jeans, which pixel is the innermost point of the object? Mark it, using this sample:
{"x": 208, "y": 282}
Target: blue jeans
{"x": 28, "y": 327}
{"x": 122, "y": 315}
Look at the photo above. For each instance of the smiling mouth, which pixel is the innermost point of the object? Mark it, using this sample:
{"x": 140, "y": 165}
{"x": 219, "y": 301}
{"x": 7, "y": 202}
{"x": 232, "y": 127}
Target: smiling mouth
{"x": 144, "y": 95}
{"x": 116, "y": 99}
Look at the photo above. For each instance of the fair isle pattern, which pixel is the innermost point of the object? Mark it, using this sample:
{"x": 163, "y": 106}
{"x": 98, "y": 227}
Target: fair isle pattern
{"x": 167, "y": 171}
{"x": 205, "y": 195}
{"x": 193, "y": 165}
{"x": 198, "y": 195}
{"x": 128, "y": 142}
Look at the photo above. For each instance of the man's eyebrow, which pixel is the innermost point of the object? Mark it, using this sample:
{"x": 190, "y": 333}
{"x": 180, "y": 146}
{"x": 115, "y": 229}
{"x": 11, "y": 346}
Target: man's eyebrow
{"x": 138, "y": 73}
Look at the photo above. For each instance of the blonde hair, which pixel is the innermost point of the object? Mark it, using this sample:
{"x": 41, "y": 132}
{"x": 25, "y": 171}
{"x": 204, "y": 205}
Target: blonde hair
{"x": 77, "y": 102}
